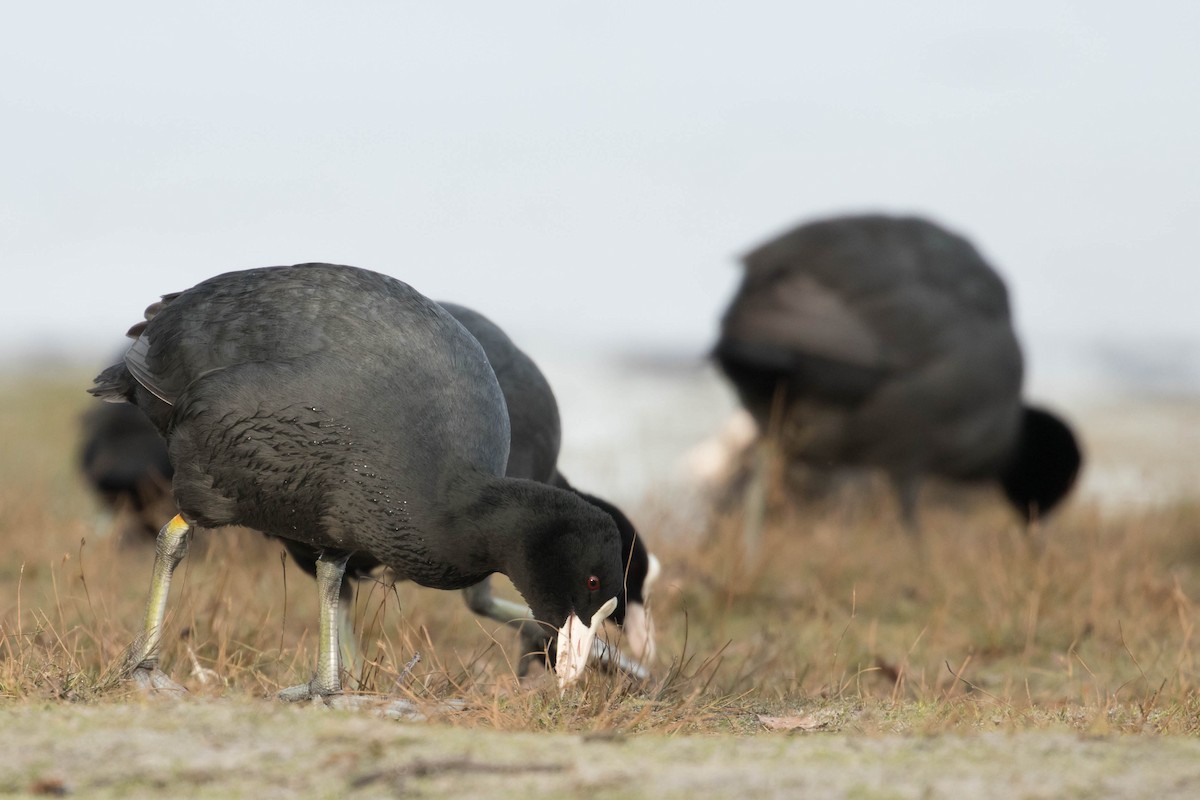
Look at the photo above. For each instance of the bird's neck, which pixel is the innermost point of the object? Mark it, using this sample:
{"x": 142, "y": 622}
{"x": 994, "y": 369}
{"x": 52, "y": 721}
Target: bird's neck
{"x": 494, "y": 518}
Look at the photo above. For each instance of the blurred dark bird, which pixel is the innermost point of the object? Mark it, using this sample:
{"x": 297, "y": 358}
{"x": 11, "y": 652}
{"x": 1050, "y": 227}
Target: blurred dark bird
{"x": 124, "y": 460}
{"x": 888, "y": 342}
{"x": 340, "y": 408}
{"x": 536, "y": 436}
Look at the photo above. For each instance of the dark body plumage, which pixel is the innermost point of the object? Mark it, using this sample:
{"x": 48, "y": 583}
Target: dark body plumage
{"x": 340, "y": 408}
{"x": 536, "y": 437}
{"x": 888, "y": 342}
{"x": 124, "y": 459}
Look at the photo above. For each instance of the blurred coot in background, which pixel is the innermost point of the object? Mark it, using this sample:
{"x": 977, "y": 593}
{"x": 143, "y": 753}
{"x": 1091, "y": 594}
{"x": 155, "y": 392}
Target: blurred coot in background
{"x": 887, "y": 342}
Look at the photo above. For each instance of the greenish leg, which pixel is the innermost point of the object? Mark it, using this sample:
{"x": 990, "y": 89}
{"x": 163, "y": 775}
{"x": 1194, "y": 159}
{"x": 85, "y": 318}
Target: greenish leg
{"x": 348, "y": 640}
{"x": 327, "y": 681}
{"x": 479, "y": 599}
{"x": 755, "y": 511}
{"x": 141, "y": 662}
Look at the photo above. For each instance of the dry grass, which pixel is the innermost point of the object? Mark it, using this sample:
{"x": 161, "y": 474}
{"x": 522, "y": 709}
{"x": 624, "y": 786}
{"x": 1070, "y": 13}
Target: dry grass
{"x": 846, "y": 621}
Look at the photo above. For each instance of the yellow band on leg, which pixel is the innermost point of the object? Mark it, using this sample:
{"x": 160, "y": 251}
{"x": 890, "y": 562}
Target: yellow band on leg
{"x": 169, "y": 550}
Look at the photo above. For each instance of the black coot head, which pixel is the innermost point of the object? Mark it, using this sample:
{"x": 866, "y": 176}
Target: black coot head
{"x": 575, "y": 566}
{"x": 573, "y": 576}
{"x": 635, "y": 558}
{"x": 1045, "y": 465}
{"x": 641, "y": 571}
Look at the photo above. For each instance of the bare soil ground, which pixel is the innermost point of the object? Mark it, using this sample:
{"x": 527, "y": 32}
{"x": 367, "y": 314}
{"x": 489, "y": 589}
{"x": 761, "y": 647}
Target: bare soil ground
{"x": 260, "y": 749}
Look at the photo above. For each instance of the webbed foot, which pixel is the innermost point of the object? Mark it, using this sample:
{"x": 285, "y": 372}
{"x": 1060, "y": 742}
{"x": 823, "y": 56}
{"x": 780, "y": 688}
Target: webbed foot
{"x": 153, "y": 680}
{"x": 308, "y": 691}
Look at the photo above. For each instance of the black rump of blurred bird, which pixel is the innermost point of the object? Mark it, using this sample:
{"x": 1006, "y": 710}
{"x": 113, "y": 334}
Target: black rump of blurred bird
{"x": 124, "y": 460}
{"x": 887, "y": 342}
{"x": 536, "y": 436}
{"x": 340, "y": 408}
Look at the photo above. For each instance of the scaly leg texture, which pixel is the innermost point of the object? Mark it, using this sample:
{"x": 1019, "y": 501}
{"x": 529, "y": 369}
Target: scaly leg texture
{"x": 141, "y": 662}
{"x": 479, "y": 598}
{"x": 327, "y": 681}
{"x": 352, "y": 656}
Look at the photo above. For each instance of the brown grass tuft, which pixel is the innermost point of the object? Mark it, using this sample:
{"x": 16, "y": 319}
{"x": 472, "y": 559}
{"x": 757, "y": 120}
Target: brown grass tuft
{"x": 1087, "y": 623}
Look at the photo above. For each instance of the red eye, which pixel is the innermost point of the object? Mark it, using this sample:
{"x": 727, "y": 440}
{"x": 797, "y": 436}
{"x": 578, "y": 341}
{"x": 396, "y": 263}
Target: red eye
{"x": 593, "y": 583}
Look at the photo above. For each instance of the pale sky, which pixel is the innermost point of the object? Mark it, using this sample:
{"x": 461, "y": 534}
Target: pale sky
{"x": 589, "y": 172}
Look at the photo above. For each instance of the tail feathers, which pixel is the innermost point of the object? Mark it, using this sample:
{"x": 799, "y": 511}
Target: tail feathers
{"x": 114, "y": 385}
{"x": 117, "y": 384}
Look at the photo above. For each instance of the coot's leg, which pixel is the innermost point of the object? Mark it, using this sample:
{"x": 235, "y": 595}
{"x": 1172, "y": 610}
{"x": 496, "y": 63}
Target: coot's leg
{"x": 755, "y": 510}
{"x": 330, "y": 569}
{"x": 352, "y": 656}
{"x": 141, "y": 663}
{"x": 479, "y": 598}
{"x": 305, "y": 556}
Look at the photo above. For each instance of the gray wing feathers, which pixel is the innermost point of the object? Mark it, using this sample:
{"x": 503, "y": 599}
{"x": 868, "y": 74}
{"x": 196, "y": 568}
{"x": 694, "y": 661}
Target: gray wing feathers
{"x": 136, "y": 361}
{"x": 805, "y": 317}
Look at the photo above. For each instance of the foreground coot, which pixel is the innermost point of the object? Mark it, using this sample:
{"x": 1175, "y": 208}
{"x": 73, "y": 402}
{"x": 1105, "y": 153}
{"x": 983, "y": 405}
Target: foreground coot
{"x": 340, "y": 408}
{"x": 888, "y": 342}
